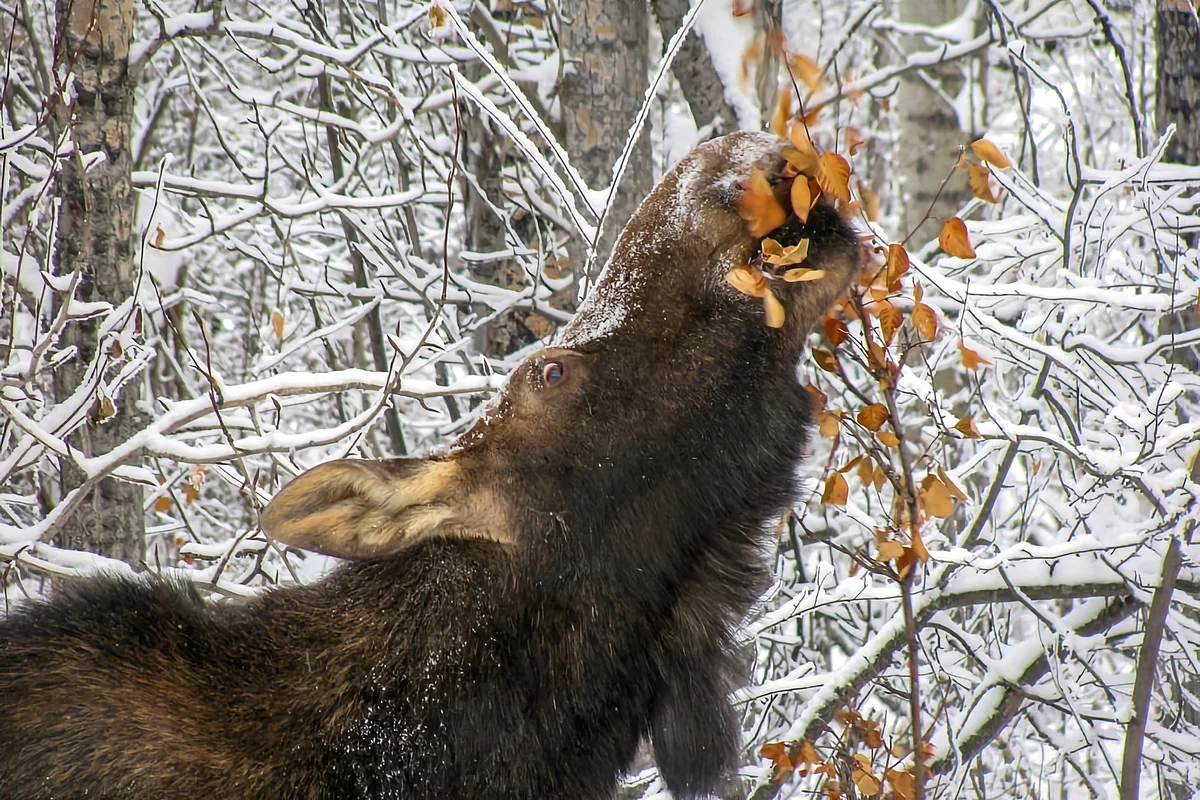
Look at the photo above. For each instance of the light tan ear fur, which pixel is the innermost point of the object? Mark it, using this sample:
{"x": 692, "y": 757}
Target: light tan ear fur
{"x": 367, "y": 509}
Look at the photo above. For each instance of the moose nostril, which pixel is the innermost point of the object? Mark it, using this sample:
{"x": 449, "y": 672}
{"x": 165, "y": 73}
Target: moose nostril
{"x": 552, "y": 373}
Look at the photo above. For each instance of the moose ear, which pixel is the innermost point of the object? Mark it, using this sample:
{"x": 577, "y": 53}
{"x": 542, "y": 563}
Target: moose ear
{"x": 365, "y": 509}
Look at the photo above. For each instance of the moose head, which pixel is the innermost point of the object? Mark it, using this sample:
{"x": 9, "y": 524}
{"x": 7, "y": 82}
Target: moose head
{"x": 515, "y": 615}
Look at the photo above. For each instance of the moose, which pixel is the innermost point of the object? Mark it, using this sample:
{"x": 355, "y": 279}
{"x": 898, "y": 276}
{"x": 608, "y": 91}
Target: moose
{"x": 513, "y": 616}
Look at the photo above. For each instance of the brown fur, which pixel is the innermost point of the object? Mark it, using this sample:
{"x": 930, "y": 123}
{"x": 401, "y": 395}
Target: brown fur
{"x": 515, "y": 615}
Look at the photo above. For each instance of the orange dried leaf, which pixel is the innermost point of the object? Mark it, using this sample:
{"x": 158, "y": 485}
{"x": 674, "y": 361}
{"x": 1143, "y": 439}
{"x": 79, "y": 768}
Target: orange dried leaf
{"x": 986, "y": 151}
{"x": 747, "y": 280}
{"x": 807, "y": 70}
{"x": 890, "y": 320}
{"x": 970, "y": 358}
{"x": 855, "y": 139}
{"x": 801, "y": 274}
{"x": 918, "y": 547}
{"x": 777, "y": 752}
{"x": 833, "y": 175}
{"x": 866, "y": 472}
{"x": 804, "y": 157}
{"x": 952, "y": 485}
{"x": 825, "y": 360}
{"x": 837, "y": 490}
{"x": 954, "y": 240}
{"x": 828, "y": 424}
{"x": 758, "y": 205}
{"x": 159, "y": 236}
{"x": 880, "y": 476}
{"x": 890, "y": 550}
{"x": 783, "y": 112}
{"x": 819, "y": 398}
{"x": 936, "y": 499}
{"x": 901, "y": 784}
{"x": 191, "y": 493}
{"x": 776, "y": 316}
{"x": 867, "y": 783}
{"x": 898, "y": 263}
{"x": 277, "y": 325}
{"x": 163, "y": 504}
{"x": 891, "y": 440}
{"x": 877, "y": 356}
{"x": 802, "y": 200}
{"x": 925, "y": 321}
{"x": 870, "y": 202}
{"x": 808, "y": 753}
{"x": 775, "y": 253}
{"x": 977, "y": 177}
{"x": 835, "y": 330}
{"x": 966, "y": 426}
{"x": 873, "y": 416}
{"x": 852, "y": 463}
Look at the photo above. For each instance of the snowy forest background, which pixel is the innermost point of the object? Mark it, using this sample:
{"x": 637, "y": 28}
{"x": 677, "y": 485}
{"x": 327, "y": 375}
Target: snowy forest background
{"x": 294, "y": 231}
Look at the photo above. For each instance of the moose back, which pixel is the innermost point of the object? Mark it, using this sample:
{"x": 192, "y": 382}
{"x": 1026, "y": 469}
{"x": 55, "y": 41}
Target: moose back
{"x": 513, "y": 617}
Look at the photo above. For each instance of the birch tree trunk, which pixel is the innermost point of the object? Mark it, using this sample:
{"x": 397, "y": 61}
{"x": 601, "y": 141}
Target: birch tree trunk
{"x": 929, "y": 136}
{"x": 95, "y": 236}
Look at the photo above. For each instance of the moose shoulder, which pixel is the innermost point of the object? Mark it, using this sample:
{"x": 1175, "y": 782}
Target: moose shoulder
{"x": 514, "y": 616}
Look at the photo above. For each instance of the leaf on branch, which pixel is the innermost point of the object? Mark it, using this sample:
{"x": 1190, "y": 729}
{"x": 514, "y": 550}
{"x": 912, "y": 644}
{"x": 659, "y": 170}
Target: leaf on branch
{"x": 970, "y": 358}
{"x": 890, "y": 550}
{"x": 954, "y": 240}
{"x": 101, "y": 409}
{"x": 966, "y": 426}
{"x": 277, "y": 325}
{"x": 835, "y": 330}
{"x": 758, "y": 206}
{"x": 936, "y": 499}
{"x": 891, "y": 440}
{"x": 837, "y": 490}
{"x": 801, "y": 155}
{"x": 159, "y": 237}
{"x": 901, "y": 784}
{"x": 776, "y": 315}
{"x": 862, "y": 776}
{"x": 748, "y": 280}
{"x": 855, "y": 139}
{"x": 780, "y": 256}
{"x": 890, "y": 320}
{"x": 805, "y": 67}
{"x": 802, "y": 199}
{"x": 952, "y": 485}
{"x": 833, "y": 176}
{"x": 873, "y": 417}
{"x": 870, "y": 202}
{"x": 986, "y": 151}
{"x": 978, "y": 177}
{"x": 898, "y": 263}
{"x": 777, "y": 752}
{"x": 783, "y": 112}
{"x": 829, "y": 423}
{"x": 925, "y": 321}
{"x": 825, "y": 360}
{"x": 800, "y": 274}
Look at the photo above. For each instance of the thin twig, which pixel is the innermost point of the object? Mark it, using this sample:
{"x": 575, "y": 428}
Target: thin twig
{"x": 1143, "y": 684}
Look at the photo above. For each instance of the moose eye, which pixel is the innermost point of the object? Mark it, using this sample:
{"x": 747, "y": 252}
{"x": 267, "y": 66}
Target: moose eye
{"x": 553, "y": 373}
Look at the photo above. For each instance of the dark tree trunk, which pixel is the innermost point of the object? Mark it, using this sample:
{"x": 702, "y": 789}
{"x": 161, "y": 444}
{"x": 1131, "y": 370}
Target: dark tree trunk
{"x": 698, "y": 78}
{"x": 1178, "y": 87}
{"x": 95, "y": 236}
{"x": 605, "y": 46}
{"x": 1178, "y": 102}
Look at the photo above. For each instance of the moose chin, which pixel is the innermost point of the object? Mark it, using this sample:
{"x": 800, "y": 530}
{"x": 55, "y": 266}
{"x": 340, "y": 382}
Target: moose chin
{"x": 513, "y": 616}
